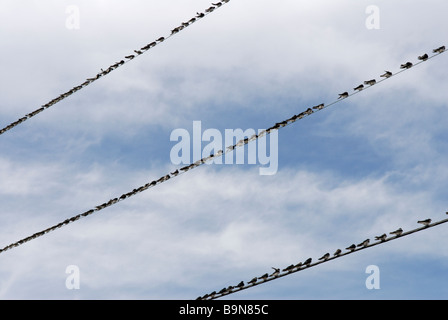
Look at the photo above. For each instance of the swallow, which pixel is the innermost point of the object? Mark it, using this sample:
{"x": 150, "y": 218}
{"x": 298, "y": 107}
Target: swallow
{"x": 130, "y": 57}
{"x": 138, "y": 51}
{"x": 175, "y": 173}
{"x": 425, "y": 222}
{"x": 299, "y": 265}
{"x": 359, "y": 88}
{"x": 230, "y": 288}
{"x": 319, "y": 107}
{"x": 439, "y": 50}
{"x": 289, "y": 268}
{"x": 161, "y": 39}
{"x": 325, "y": 256}
{"x": 343, "y": 95}
{"x": 381, "y": 237}
{"x": 370, "y": 82}
{"x": 397, "y": 232}
{"x": 240, "y": 285}
{"x": 217, "y": 4}
{"x": 307, "y": 262}
{"x": 337, "y": 252}
{"x": 423, "y": 57}
{"x": 387, "y": 74}
{"x": 364, "y": 243}
{"x": 276, "y": 272}
{"x": 264, "y": 277}
{"x": 406, "y": 65}
{"x": 175, "y": 30}
{"x": 199, "y": 15}
{"x": 253, "y": 281}
{"x": 223, "y": 290}
{"x": 211, "y": 9}
{"x": 192, "y": 20}
{"x": 352, "y": 247}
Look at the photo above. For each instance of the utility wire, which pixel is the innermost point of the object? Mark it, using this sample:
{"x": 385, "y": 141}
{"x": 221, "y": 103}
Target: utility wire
{"x": 114, "y": 66}
{"x": 326, "y": 258}
{"x": 186, "y": 168}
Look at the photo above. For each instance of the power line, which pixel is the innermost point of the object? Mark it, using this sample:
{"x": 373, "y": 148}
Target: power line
{"x": 326, "y": 258}
{"x": 114, "y": 66}
{"x": 186, "y": 168}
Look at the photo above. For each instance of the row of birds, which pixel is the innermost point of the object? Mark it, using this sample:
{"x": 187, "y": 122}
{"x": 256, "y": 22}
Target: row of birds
{"x": 302, "y": 265}
{"x": 388, "y": 74}
{"x": 104, "y": 72}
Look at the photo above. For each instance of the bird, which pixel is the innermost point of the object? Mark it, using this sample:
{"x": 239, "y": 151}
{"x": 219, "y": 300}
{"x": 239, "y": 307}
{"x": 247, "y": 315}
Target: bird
{"x": 307, "y": 262}
{"x": 217, "y": 4}
{"x": 381, "y": 237}
{"x": 337, "y": 252}
{"x": 343, "y": 95}
{"x": 439, "y": 50}
{"x": 276, "y": 272}
{"x": 289, "y": 268}
{"x": 253, "y": 281}
{"x": 406, "y": 65}
{"x": 299, "y": 265}
{"x": 370, "y": 82}
{"x": 352, "y": 247}
{"x": 223, "y": 290}
{"x": 325, "y": 256}
{"x": 360, "y": 87}
{"x": 138, "y": 51}
{"x": 425, "y": 222}
{"x": 192, "y": 20}
{"x": 200, "y": 15}
{"x": 230, "y": 288}
{"x": 175, "y": 30}
{"x": 364, "y": 243}
{"x": 130, "y": 56}
{"x": 240, "y": 285}
{"x": 397, "y": 232}
{"x": 264, "y": 277}
{"x": 387, "y": 74}
{"x": 423, "y": 57}
{"x": 161, "y": 39}
{"x": 211, "y": 9}
{"x": 319, "y": 107}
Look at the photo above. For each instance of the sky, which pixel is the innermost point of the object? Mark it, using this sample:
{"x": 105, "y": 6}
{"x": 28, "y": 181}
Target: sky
{"x": 367, "y": 165}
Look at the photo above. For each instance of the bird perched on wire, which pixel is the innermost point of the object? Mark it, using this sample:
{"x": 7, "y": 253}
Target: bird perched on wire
{"x": 289, "y": 268}
{"x": 381, "y": 237}
{"x": 223, "y": 290}
{"x": 217, "y": 4}
{"x": 425, "y": 222}
{"x": 264, "y": 277}
{"x": 240, "y": 285}
{"x": 319, "y": 107}
{"x": 307, "y": 262}
{"x": 276, "y": 272}
{"x": 406, "y": 65}
{"x": 337, "y": 252}
{"x": 423, "y": 57}
{"x": 343, "y": 95}
{"x": 439, "y": 50}
{"x": 370, "y": 82}
{"x": 200, "y": 15}
{"x": 253, "y": 281}
{"x": 211, "y": 9}
{"x": 359, "y": 88}
{"x": 130, "y": 57}
{"x": 364, "y": 243}
{"x": 299, "y": 265}
{"x": 325, "y": 256}
{"x": 387, "y": 74}
{"x": 352, "y": 247}
{"x": 397, "y": 232}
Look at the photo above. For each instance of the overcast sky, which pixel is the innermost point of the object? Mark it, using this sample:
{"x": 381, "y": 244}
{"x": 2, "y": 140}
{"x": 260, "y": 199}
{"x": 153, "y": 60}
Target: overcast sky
{"x": 365, "y": 166}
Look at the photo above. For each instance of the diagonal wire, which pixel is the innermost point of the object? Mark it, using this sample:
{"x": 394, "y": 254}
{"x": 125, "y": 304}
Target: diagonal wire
{"x": 189, "y": 167}
{"x": 114, "y": 66}
{"x": 300, "y": 267}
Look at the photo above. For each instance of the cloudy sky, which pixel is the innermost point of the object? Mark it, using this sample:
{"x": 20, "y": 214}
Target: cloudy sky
{"x": 367, "y": 165}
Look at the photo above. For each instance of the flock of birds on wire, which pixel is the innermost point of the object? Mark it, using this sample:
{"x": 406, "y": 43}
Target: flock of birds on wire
{"x": 104, "y": 72}
{"x": 305, "y": 264}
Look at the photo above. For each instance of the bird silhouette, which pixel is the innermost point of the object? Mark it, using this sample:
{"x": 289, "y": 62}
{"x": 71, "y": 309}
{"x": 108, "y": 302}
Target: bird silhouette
{"x": 439, "y": 50}
{"x": 289, "y": 268}
{"x": 240, "y": 285}
{"x": 276, "y": 272}
{"x": 217, "y": 4}
{"x": 425, "y": 222}
{"x": 223, "y": 290}
{"x": 387, "y": 74}
{"x": 307, "y": 262}
{"x": 199, "y": 15}
{"x": 406, "y": 65}
{"x": 381, "y": 237}
{"x": 364, "y": 243}
{"x": 130, "y": 57}
{"x": 423, "y": 57}
{"x": 211, "y": 9}
{"x": 325, "y": 256}
{"x": 343, "y": 95}
{"x": 319, "y": 107}
{"x": 397, "y": 232}
{"x": 161, "y": 39}
{"x": 352, "y": 247}
{"x": 299, "y": 265}
{"x": 264, "y": 277}
{"x": 337, "y": 252}
{"x": 370, "y": 82}
{"x": 360, "y": 87}
{"x": 253, "y": 281}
